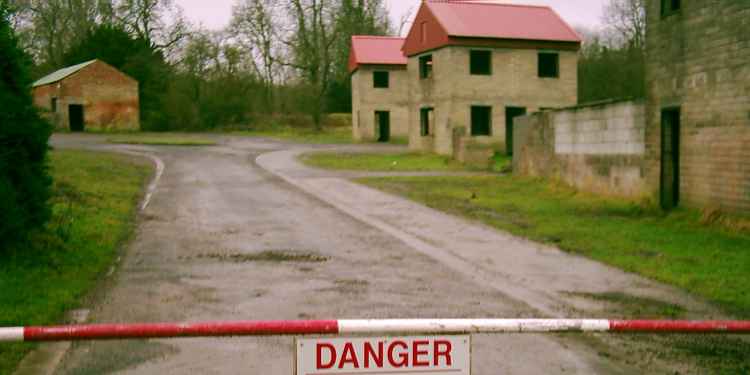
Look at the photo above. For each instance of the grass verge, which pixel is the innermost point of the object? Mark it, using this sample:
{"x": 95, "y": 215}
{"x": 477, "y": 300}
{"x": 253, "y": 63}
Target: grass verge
{"x": 329, "y": 135}
{"x": 709, "y": 260}
{"x": 382, "y": 162}
{"x": 165, "y": 139}
{"x": 94, "y": 206}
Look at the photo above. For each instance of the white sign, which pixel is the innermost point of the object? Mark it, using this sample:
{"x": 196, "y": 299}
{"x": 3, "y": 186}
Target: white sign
{"x": 379, "y": 355}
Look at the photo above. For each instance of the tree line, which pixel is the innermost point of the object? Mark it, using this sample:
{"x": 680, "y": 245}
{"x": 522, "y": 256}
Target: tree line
{"x": 285, "y": 56}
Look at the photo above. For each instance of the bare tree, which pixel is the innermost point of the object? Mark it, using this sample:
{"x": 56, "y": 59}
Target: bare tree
{"x": 254, "y": 25}
{"x": 627, "y": 18}
{"x": 148, "y": 20}
{"x": 311, "y": 45}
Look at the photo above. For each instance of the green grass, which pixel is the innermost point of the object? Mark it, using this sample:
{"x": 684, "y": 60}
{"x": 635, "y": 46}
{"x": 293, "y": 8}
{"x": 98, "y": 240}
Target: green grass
{"x": 95, "y": 202}
{"x": 709, "y": 260}
{"x": 331, "y": 135}
{"x": 161, "y": 139}
{"x": 398, "y": 162}
{"x": 382, "y": 162}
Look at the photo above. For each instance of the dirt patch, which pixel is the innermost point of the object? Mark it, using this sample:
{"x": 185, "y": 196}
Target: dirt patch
{"x": 271, "y": 256}
{"x": 634, "y": 307}
{"x": 348, "y": 286}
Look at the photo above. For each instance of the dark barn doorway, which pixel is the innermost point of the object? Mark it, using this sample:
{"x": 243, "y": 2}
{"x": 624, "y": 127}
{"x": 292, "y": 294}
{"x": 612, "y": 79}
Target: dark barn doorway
{"x": 75, "y": 116}
{"x": 510, "y": 114}
{"x": 383, "y": 121}
{"x": 670, "y": 158}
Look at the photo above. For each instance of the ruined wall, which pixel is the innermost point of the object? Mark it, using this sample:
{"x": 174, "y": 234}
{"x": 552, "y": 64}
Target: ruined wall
{"x": 698, "y": 61}
{"x": 453, "y": 90}
{"x": 366, "y": 100}
{"x": 109, "y": 97}
{"x": 598, "y": 148}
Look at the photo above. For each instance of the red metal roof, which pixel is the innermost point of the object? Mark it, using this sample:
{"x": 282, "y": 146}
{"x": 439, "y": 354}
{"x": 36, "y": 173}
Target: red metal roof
{"x": 443, "y": 21}
{"x": 504, "y": 21}
{"x": 376, "y": 50}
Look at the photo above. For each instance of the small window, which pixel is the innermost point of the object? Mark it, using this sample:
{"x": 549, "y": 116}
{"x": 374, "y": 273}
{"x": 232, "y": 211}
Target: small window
{"x": 381, "y": 80}
{"x": 549, "y": 65}
{"x": 425, "y": 66}
{"x": 423, "y": 29}
{"x": 481, "y": 121}
{"x": 481, "y": 63}
{"x": 53, "y": 105}
{"x": 425, "y": 119}
{"x": 669, "y": 7}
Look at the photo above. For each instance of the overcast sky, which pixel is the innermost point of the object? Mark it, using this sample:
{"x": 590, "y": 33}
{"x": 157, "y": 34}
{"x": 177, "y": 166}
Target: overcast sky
{"x": 215, "y": 14}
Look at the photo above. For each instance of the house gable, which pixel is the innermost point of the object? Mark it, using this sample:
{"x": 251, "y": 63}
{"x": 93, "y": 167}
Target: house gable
{"x": 426, "y": 33}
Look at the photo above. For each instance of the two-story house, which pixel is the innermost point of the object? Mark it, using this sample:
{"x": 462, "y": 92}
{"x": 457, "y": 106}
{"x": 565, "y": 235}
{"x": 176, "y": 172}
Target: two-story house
{"x": 379, "y": 88}
{"x": 473, "y": 67}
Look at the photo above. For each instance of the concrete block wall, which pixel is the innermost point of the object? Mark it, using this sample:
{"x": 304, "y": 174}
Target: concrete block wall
{"x": 699, "y": 61}
{"x": 598, "y": 148}
{"x": 452, "y": 91}
{"x": 366, "y": 100}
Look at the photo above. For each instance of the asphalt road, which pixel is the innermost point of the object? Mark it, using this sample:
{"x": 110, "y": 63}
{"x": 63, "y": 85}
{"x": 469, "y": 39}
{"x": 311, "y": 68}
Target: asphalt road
{"x": 215, "y": 207}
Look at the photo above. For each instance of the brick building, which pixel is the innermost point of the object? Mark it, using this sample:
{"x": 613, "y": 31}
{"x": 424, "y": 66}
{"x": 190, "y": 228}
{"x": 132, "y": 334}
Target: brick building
{"x": 379, "y": 88}
{"x": 473, "y": 67}
{"x": 698, "y": 103}
{"x": 92, "y": 95}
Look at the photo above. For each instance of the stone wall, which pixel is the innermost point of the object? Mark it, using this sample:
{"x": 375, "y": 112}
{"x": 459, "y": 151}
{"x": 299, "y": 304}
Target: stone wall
{"x": 452, "y": 91}
{"x": 699, "y": 62}
{"x": 366, "y": 100}
{"x": 110, "y": 99}
{"x": 597, "y": 148}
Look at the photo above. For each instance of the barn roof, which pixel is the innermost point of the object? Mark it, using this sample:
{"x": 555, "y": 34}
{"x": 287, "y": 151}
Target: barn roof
{"x": 376, "y": 50}
{"x": 502, "y": 21}
{"x": 62, "y": 74}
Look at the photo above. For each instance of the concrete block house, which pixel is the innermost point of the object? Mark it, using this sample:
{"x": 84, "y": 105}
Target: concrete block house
{"x": 698, "y": 103}
{"x": 379, "y": 88}
{"x": 92, "y": 95}
{"x": 472, "y": 67}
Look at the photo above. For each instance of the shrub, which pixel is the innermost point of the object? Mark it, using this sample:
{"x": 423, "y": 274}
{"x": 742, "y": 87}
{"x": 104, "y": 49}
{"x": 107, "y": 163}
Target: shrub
{"x": 24, "y": 178}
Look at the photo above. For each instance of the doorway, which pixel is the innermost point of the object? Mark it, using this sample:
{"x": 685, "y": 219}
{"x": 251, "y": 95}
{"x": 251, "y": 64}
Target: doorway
{"x": 76, "y": 117}
{"x": 383, "y": 121}
{"x": 510, "y": 114}
{"x": 670, "y": 158}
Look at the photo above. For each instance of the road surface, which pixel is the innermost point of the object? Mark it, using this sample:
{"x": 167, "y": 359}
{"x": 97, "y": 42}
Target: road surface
{"x": 333, "y": 249}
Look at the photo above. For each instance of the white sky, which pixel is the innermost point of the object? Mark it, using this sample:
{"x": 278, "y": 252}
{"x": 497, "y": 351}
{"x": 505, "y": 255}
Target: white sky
{"x": 215, "y": 14}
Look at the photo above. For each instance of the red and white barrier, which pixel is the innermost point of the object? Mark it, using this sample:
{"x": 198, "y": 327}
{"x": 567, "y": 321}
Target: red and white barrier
{"x": 363, "y": 327}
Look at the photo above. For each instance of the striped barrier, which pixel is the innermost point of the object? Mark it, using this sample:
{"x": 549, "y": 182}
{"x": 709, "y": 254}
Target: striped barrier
{"x": 362, "y": 327}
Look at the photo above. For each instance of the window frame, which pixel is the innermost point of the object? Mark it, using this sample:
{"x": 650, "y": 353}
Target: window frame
{"x": 476, "y": 72}
{"x": 53, "y": 104}
{"x": 670, "y": 7}
{"x": 375, "y": 81}
{"x": 425, "y": 62}
{"x": 542, "y": 73}
{"x": 424, "y": 121}
{"x": 474, "y": 108}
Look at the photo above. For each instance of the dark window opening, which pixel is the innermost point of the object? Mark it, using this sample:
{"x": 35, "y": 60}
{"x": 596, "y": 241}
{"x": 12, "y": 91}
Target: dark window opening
{"x": 381, "y": 80}
{"x": 425, "y": 66}
{"x": 425, "y": 120}
{"x": 53, "y": 105}
{"x": 481, "y": 120}
{"x": 669, "y": 7}
{"x": 549, "y": 65}
{"x": 481, "y": 63}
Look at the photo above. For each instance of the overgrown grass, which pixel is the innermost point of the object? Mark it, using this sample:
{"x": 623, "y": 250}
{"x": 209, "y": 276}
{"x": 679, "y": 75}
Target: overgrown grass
{"x": 382, "y": 162}
{"x": 709, "y": 260}
{"x": 161, "y": 139}
{"x": 94, "y": 207}
{"x": 329, "y": 135}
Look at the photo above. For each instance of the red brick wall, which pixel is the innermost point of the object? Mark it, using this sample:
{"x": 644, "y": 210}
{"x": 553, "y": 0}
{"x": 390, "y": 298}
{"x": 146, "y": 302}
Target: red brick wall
{"x": 699, "y": 60}
{"x": 110, "y": 98}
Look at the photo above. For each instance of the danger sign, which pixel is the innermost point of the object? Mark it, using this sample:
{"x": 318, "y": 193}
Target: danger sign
{"x": 407, "y": 355}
